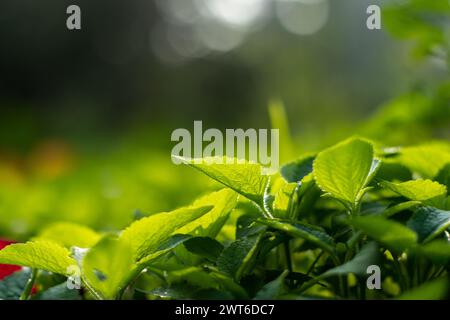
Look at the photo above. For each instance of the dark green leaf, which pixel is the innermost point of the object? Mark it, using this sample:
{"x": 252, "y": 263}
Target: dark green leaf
{"x": 11, "y": 287}
{"x": 429, "y": 222}
{"x": 174, "y": 241}
{"x": 246, "y": 226}
{"x": 443, "y": 177}
{"x": 369, "y": 255}
{"x": 59, "y": 292}
{"x": 273, "y": 289}
{"x": 295, "y": 171}
{"x": 303, "y": 230}
{"x": 205, "y": 247}
{"x": 238, "y": 256}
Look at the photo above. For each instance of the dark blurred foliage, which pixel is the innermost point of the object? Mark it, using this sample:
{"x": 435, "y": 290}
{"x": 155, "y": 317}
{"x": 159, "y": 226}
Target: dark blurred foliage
{"x": 105, "y": 80}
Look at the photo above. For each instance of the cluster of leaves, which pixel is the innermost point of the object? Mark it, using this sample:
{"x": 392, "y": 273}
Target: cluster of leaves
{"x": 311, "y": 230}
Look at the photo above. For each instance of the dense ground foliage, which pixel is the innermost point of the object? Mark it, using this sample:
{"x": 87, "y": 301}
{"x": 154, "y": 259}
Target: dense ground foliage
{"x": 311, "y": 230}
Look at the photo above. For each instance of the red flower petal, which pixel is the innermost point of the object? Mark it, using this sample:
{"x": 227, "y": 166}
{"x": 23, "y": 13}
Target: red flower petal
{"x": 7, "y": 269}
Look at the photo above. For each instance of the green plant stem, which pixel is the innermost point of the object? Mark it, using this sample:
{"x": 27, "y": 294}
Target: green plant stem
{"x": 355, "y": 239}
{"x": 29, "y": 286}
{"x": 438, "y": 272}
{"x": 287, "y": 253}
{"x": 429, "y": 273}
{"x": 131, "y": 278}
{"x": 344, "y": 285}
{"x": 311, "y": 268}
{"x": 362, "y": 290}
{"x": 400, "y": 273}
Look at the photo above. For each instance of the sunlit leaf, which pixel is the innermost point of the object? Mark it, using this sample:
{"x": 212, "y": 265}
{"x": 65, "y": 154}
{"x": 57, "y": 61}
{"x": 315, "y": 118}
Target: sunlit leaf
{"x": 279, "y": 120}
{"x": 390, "y": 233}
{"x": 70, "y": 234}
{"x": 426, "y": 160}
{"x": 244, "y": 178}
{"x": 427, "y": 191}
{"x": 211, "y": 223}
{"x": 345, "y": 169}
{"x": 146, "y": 234}
{"x": 107, "y": 265}
{"x": 283, "y": 200}
{"x": 38, "y": 254}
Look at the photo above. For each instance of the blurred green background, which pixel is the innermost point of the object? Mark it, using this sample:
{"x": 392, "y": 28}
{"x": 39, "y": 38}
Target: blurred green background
{"x": 86, "y": 116}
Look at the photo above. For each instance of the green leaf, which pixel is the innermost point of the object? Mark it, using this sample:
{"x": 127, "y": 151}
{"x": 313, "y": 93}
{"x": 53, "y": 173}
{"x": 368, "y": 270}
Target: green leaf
{"x": 392, "y": 170}
{"x": 210, "y": 224}
{"x": 238, "y": 256}
{"x": 369, "y": 255}
{"x": 433, "y": 290}
{"x": 307, "y": 195}
{"x": 283, "y": 200}
{"x": 38, "y": 254}
{"x": 389, "y": 212}
{"x": 246, "y": 178}
{"x": 273, "y": 289}
{"x": 205, "y": 247}
{"x": 146, "y": 234}
{"x": 279, "y": 120}
{"x": 392, "y": 234}
{"x": 429, "y": 222}
{"x": 246, "y": 226}
{"x": 295, "y": 171}
{"x": 107, "y": 266}
{"x": 345, "y": 169}
{"x": 172, "y": 243}
{"x": 58, "y": 292}
{"x": 443, "y": 176}
{"x": 70, "y": 234}
{"x": 195, "y": 276}
{"x": 426, "y": 160}
{"x": 12, "y": 286}
{"x": 427, "y": 191}
{"x": 230, "y": 285}
{"x": 304, "y": 231}
{"x": 436, "y": 251}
